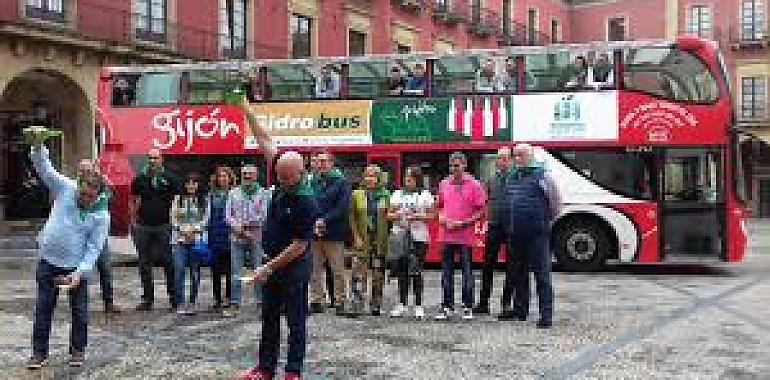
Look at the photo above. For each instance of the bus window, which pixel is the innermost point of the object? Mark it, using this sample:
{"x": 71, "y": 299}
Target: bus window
{"x": 145, "y": 89}
{"x": 291, "y": 81}
{"x": 416, "y": 80}
{"x": 369, "y": 79}
{"x": 210, "y": 86}
{"x": 551, "y": 71}
{"x": 669, "y": 73}
{"x": 455, "y": 74}
{"x": 629, "y": 175}
{"x": 327, "y": 82}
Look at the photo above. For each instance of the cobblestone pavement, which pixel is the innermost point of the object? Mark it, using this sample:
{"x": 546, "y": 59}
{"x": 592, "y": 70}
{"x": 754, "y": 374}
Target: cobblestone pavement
{"x": 636, "y": 322}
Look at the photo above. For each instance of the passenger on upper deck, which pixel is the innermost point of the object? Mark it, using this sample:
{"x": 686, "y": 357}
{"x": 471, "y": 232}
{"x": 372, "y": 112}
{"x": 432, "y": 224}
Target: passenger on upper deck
{"x": 396, "y": 81}
{"x": 508, "y": 78}
{"x": 601, "y": 73}
{"x": 486, "y": 80}
{"x": 327, "y": 85}
{"x": 415, "y": 85}
{"x": 578, "y": 74}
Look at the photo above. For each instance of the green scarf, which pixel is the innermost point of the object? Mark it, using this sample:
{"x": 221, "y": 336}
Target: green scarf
{"x": 158, "y": 178}
{"x": 302, "y": 188}
{"x": 250, "y": 190}
{"x": 100, "y": 203}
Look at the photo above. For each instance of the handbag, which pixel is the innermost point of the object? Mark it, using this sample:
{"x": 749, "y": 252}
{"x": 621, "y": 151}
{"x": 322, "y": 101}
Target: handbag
{"x": 399, "y": 244}
{"x": 202, "y": 251}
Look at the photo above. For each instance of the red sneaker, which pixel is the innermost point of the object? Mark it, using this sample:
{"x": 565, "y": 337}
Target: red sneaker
{"x": 255, "y": 374}
{"x": 291, "y": 376}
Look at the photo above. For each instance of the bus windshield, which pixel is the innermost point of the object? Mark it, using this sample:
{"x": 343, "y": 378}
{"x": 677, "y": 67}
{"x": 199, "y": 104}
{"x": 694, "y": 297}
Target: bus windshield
{"x": 670, "y": 74}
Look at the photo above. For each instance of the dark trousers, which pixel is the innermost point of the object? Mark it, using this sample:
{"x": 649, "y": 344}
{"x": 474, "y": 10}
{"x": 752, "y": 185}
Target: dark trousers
{"x": 289, "y": 288}
{"x": 447, "y": 274}
{"x": 410, "y": 268}
{"x": 532, "y": 251}
{"x": 47, "y": 293}
{"x": 154, "y": 242}
{"x": 221, "y": 268}
{"x": 329, "y": 282}
{"x": 104, "y": 265}
{"x": 496, "y": 238}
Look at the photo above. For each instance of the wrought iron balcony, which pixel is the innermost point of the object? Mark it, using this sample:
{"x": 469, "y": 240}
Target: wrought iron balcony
{"x": 408, "y": 5}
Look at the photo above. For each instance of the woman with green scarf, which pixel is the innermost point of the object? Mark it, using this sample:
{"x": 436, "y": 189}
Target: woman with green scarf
{"x": 369, "y": 226}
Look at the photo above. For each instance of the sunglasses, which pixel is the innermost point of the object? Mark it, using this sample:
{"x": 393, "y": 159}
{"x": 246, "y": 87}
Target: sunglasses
{"x": 455, "y": 165}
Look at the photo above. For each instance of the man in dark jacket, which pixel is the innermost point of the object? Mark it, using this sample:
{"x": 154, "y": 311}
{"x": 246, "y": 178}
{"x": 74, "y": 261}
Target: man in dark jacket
{"x": 497, "y": 225}
{"x": 534, "y": 202}
{"x": 332, "y": 196}
{"x": 153, "y": 191}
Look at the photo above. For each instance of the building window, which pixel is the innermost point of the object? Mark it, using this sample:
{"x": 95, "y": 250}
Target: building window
{"x": 531, "y": 26}
{"x": 301, "y": 30}
{"x": 232, "y": 28}
{"x": 356, "y": 43}
{"x": 554, "y": 31}
{"x": 506, "y": 17}
{"x": 699, "y": 21}
{"x": 475, "y": 11}
{"x": 403, "y": 49}
{"x": 616, "y": 29}
{"x": 752, "y": 20}
{"x": 442, "y": 6}
{"x": 753, "y": 97}
{"x": 150, "y": 19}
{"x": 46, "y": 9}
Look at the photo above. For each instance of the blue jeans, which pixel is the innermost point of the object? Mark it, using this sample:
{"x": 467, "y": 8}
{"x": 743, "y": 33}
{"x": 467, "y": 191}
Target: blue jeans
{"x": 104, "y": 265}
{"x": 47, "y": 293}
{"x": 183, "y": 258}
{"x": 288, "y": 287}
{"x": 447, "y": 274}
{"x": 532, "y": 252}
{"x": 250, "y": 254}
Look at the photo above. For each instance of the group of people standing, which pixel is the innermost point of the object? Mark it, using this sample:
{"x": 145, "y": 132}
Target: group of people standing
{"x": 222, "y": 225}
{"x": 520, "y": 201}
{"x": 272, "y": 231}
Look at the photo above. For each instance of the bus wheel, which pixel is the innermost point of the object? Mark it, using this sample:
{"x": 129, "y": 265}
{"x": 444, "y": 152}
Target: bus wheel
{"x": 581, "y": 244}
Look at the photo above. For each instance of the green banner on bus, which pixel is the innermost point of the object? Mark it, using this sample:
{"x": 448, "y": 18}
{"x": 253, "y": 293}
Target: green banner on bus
{"x": 462, "y": 118}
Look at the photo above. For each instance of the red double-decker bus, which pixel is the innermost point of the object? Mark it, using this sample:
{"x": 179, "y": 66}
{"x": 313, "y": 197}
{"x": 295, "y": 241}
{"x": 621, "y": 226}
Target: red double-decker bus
{"x": 639, "y": 135}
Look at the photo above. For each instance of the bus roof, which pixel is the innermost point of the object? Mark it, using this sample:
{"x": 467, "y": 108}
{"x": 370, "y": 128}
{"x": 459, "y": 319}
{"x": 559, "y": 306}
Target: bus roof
{"x": 244, "y": 65}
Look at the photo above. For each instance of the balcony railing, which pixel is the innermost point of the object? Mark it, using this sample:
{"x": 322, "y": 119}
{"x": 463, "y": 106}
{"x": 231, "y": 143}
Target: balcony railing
{"x": 447, "y": 14}
{"x": 408, "y": 5}
{"x": 483, "y": 22}
{"x": 517, "y": 34}
{"x": 47, "y": 14}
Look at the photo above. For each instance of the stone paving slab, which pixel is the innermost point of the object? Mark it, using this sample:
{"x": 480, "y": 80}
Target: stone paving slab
{"x": 638, "y": 322}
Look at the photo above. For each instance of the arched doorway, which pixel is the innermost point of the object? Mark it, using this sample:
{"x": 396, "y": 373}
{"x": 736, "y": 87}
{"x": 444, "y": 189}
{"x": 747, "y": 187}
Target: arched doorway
{"x": 39, "y": 97}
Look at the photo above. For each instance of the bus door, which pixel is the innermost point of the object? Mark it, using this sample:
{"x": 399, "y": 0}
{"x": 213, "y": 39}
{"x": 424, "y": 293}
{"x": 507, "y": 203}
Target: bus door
{"x": 692, "y": 212}
{"x": 390, "y": 163}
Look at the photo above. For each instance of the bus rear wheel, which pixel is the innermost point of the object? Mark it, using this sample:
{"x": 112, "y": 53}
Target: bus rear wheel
{"x": 581, "y": 244}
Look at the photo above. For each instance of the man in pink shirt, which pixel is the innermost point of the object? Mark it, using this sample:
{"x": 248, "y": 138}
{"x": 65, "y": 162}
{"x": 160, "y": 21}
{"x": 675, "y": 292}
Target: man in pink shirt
{"x": 461, "y": 200}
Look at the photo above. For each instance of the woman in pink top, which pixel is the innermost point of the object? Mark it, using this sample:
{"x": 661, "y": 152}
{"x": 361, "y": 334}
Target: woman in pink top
{"x": 461, "y": 200}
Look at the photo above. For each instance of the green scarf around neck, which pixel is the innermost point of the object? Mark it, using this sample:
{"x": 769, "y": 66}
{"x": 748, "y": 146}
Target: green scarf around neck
{"x": 157, "y": 178}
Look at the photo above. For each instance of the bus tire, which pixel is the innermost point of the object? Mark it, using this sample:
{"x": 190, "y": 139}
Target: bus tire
{"x": 581, "y": 244}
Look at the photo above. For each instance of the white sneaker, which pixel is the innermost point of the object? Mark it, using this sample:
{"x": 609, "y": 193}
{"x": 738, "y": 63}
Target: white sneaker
{"x": 398, "y": 311}
{"x": 181, "y": 309}
{"x": 445, "y": 314}
{"x": 419, "y": 312}
{"x": 467, "y": 313}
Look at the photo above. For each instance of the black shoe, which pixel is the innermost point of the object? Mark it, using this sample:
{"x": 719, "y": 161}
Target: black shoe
{"x": 375, "y": 312}
{"x": 316, "y": 308}
{"x": 544, "y": 324}
{"x": 77, "y": 358}
{"x": 481, "y": 309}
{"x": 110, "y": 308}
{"x": 144, "y": 306}
{"x": 507, "y": 315}
{"x": 340, "y": 311}
{"x": 173, "y": 308}
{"x": 36, "y": 362}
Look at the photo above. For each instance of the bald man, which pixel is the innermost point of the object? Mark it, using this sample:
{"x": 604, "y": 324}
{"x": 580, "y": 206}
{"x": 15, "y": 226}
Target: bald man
{"x": 286, "y": 273}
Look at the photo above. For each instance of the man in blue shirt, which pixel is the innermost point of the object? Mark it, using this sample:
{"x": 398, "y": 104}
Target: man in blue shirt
{"x": 286, "y": 241}
{"x": 70, "y": 243}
